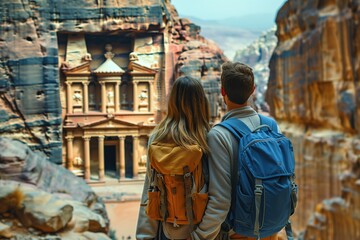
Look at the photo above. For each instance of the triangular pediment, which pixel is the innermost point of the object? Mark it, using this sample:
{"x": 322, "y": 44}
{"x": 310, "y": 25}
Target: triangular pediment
{"x": 136, "y": 68}
{"x": 109, "y": 66}
{"x": 83, "y": 68}
{"x": 110, "y": 123}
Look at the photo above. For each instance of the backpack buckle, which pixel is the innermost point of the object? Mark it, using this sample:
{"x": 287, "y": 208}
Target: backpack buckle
{"x": 175, "y": 224}
{"x": 258, "y": 189}
{"x": 160, "y": 176}
{"x": 186, "y": 175}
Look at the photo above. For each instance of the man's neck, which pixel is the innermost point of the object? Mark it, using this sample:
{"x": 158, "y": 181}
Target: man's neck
{"x": 231, "y": 105}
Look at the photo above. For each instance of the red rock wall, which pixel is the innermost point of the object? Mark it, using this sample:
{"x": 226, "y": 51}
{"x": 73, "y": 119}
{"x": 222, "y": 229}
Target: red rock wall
{"x": 314, "y": 92}
{"x": 31, "y": 52}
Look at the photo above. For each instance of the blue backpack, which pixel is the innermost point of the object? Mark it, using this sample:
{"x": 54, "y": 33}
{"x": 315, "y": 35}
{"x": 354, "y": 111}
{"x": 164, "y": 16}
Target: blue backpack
{"x": 264, "y": 194}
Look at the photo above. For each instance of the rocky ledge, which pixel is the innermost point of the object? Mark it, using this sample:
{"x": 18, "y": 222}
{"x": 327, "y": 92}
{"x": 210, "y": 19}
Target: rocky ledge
{"x": 43, "y": 200}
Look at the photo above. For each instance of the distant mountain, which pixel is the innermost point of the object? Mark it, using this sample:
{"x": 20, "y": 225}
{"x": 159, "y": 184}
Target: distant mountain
{"x": 253, "y": 22}
{"x": 234, "y": 33}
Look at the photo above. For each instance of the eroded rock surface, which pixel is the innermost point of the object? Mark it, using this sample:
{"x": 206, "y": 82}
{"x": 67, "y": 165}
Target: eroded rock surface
{"x": 38, "y": 198}
{"x": 314, "y": 91}
{"x": 32, "y": 99}
{"x": 41, "y": 40}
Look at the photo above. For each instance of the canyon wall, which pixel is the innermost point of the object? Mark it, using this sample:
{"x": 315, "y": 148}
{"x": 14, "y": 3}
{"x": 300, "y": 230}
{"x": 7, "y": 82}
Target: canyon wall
{"x": 314, "y": 92}
{"x": 33, "y": 37}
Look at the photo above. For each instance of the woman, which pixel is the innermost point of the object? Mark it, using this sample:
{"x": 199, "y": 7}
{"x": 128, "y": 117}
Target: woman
{"x": 185, "y": 126}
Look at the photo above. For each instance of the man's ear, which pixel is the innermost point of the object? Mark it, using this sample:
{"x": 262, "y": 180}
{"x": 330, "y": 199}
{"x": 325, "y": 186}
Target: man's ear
{"x": 223, "y": 93}
{"x": 253, "y": 90}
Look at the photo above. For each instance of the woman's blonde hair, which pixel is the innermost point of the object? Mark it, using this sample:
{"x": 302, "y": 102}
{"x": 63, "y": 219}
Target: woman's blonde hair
{"x": 187, "y": 119}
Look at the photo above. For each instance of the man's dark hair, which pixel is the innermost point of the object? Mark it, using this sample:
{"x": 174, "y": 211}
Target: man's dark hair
{"x": 237, "y": 79}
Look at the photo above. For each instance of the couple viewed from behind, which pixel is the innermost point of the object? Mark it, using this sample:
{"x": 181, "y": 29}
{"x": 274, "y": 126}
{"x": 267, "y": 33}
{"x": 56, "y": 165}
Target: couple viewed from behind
{"x": 191, "y": 188}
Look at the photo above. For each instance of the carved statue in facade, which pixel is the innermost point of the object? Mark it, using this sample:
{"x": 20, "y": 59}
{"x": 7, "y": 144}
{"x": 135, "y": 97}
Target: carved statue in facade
{"x": 143, "y": 97}
{"x": 144, "y": 104}
{"x": 108, "y": 54}
{"x": 133, "y": 56}
{"x": 87, "y": 57}
{"x": 78, "y": 161}
{"x": 110, "y": 97}
{"x": 77, "y": 97}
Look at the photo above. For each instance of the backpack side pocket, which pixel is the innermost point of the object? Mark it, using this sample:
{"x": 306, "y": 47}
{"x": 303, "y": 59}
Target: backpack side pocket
{"x": 199, "y": 201}
{"x": 153, "y": 207}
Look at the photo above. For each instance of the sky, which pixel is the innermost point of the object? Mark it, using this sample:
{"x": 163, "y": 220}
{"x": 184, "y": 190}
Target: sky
{"x": 232, "y": 24}
{"x": 221, "y": 9}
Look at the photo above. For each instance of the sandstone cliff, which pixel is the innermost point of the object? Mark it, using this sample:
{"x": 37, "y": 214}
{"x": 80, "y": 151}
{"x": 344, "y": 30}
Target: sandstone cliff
{"x": 36, "y": 40}
{"x": 314, "y": 92}
{"x": 31, "y": 40}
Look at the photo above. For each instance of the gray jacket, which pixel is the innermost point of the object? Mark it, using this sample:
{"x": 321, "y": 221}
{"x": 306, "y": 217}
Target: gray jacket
{"x": 224, "y": 150}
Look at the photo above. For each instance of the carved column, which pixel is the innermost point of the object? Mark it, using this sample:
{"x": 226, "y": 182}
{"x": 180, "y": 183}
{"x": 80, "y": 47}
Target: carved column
{"x": 117, "y": 97}
{"x": 101, "y": 159}
{"x": 86, "y": 97}
{"x": 151, "y": 95}
{"x": 135, "y": 96}
{"x": 69, "y": 97}
{"x": 87, "y": 158}
{"x": 135, "y": 156}
{"x": 103, "y": 97}
{"x": 122, "y": 156}
{"x": 70, "y": 152}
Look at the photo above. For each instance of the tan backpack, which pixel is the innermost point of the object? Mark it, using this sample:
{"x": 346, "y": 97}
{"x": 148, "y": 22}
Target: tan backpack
{"x": 178, "y": 189}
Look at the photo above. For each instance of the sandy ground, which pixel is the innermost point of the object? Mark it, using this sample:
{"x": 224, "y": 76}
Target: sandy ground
{"x": 123, "y": 207}
{"x": 122, "y": 202}
{"x": 123, "y": 218}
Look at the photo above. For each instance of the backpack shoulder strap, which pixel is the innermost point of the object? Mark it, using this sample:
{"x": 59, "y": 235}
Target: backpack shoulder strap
{"x": 188, "y": 202}
{"x": 268, "y": 121}
{"x": 237, "y": 127}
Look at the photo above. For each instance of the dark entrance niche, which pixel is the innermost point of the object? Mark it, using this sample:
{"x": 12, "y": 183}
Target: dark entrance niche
{"x": 129, "y": 157}
{"x": 110, "y": 161}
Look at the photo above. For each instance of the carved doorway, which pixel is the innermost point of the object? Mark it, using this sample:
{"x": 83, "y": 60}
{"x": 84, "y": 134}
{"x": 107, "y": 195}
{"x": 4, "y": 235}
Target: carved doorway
{"x": 110, "y": 161}
{"x": 129, "y": 157}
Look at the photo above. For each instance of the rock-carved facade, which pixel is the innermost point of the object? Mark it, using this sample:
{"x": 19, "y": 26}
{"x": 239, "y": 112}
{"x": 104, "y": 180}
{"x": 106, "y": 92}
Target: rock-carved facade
{"x": 73, "y": 105}
{"x": 88, "y": 81}
{"x": 108, "y": 116}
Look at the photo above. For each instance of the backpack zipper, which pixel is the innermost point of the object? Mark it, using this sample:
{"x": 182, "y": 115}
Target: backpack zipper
{"x": 262, "y": 140}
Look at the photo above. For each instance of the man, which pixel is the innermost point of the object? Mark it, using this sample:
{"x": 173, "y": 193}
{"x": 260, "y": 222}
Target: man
{"x": 237, "y": 85}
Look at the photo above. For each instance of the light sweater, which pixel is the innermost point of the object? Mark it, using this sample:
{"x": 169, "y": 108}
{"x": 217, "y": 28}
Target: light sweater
{"x": 224, "y": 151}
